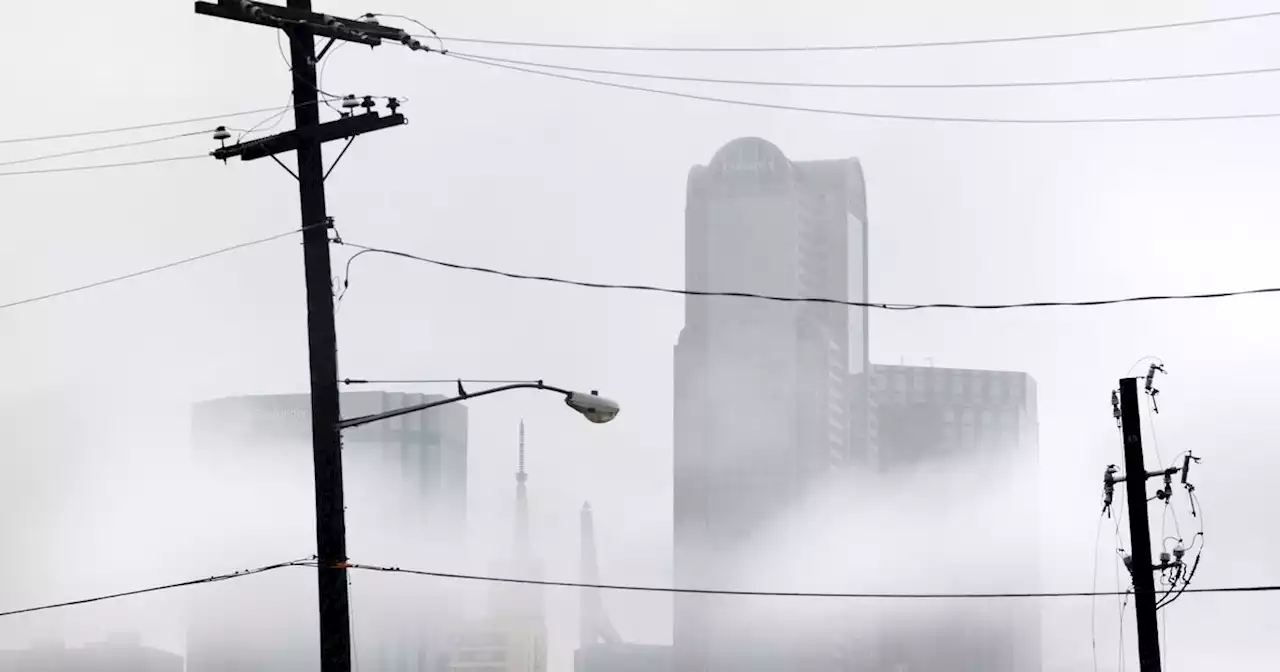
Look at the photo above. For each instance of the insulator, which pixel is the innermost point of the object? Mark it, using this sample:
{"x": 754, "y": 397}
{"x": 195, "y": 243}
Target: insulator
{"x": 349, "y": 101}
{"x": 221, "y": 133}
{"x": 1164, "y": 557}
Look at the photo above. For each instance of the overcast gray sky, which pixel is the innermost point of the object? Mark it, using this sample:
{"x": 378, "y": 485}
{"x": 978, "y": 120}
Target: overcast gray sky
{"x": 530, "y": 174}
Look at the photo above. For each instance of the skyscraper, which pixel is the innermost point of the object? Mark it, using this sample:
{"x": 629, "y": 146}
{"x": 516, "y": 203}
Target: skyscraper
{"x": 405, "y": 496}
{"x": 761, "y": 388}
{"x": 926, "y": 417}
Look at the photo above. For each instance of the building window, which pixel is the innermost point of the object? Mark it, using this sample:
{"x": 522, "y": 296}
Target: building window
{"x": 957, "y": 385}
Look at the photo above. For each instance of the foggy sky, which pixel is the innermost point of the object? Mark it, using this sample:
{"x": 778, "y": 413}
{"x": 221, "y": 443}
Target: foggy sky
{"x": 534, "y": 175}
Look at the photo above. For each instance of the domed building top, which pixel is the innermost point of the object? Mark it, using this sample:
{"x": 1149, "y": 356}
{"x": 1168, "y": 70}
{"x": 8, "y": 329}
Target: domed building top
{"x": 750, "y": 155}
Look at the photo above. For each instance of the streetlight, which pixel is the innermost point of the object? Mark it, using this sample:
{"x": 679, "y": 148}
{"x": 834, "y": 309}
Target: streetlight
{"x": 592, "y": 406}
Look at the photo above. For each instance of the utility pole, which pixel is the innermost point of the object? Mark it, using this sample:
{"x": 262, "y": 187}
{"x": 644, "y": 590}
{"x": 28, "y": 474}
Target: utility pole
{"x": 302, "y": 27}
{"x": 1144, "y": 588}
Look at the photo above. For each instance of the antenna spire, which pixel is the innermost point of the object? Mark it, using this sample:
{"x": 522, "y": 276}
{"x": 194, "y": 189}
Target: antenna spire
{"x": 520, "y": 475}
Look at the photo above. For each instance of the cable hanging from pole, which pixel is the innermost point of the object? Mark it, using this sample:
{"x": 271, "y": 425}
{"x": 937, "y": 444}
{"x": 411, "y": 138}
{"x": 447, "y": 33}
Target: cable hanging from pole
{"x": 885, "y": 116}
{"x": 873, "y": 47}
{"x": 872, "y": 85}
{"x": 790, "y": 299}
{"x": 1268, "y": 588}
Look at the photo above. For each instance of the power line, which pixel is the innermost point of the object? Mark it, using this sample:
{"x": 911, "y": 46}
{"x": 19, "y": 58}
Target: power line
{"x": 139, "y": 127}
{"x": 404, "y": 381}
{"x": 799, "y": 299}
{"x": 102, "y": 166}
{"x": 147, "y": 271}
{"x": 869, "y": 85}
{"x": 104, "y": 148}
{"x": 771, "y": 593}
{"x": 868, "y": 47}
{"x": 868, "y": 115}
{"x": 155, "y": 589}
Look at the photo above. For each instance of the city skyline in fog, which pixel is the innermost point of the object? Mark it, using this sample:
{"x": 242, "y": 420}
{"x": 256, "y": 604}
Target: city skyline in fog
{"x": 522, "y": 173}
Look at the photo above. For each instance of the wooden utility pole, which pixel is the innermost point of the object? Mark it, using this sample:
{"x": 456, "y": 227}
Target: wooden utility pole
{"x": 302, "y": 27}
{"x": 1143, "y": 570}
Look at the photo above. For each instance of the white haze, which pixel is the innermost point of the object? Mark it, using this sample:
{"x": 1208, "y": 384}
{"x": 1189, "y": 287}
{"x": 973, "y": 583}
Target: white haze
{"x": 97, "y": 489}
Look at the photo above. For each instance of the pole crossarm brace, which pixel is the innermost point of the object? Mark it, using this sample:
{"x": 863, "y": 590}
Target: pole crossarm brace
{"x": 323, "y": 25}
{"x": 397, "y": 412}
{"x": 347, "y": 127}
{"x": 1150, "y": 474}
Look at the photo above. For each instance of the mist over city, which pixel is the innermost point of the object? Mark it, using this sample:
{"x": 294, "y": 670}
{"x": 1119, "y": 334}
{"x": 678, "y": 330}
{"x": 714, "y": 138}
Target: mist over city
{"x": 656, "y": 337}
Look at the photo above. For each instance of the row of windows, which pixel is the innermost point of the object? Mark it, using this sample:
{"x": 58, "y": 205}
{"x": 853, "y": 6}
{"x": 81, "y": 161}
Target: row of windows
{"x": 482, "y": 656}
{"x": 958, "y": 385}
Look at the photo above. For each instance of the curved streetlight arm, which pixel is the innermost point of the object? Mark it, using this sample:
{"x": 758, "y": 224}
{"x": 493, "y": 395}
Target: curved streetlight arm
{"x": 394, "y": 413}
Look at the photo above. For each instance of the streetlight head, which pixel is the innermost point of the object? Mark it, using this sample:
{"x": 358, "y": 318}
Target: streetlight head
{"x": 594, "y": 407}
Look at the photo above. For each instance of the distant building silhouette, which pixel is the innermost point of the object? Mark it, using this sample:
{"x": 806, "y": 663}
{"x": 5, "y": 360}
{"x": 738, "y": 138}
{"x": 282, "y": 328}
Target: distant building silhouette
{"x": 513, "y": 638}
{"x": 405, "y": 492}
{"x": 762, "y": 408}
{"x": 924, "y": 418}
{"x": 601, "y": 648}
{"x": 922, "y": 414}
{"x": 117, "y": 654}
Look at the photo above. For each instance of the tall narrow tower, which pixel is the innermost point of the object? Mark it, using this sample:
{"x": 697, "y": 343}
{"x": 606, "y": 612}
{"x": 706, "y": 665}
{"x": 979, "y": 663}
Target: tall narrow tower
{"x": 594, "y": 626}
{"x": 602, "y": 648}
{"x": 522, "y": 546}
{"x": 514, "y": 636}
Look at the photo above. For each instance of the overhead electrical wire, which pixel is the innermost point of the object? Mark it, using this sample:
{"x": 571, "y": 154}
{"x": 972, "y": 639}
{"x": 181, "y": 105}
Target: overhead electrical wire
{"x": 155, "y": 589}
{"x": 794, "y": 299}
{"x": 140, "y": 127}
{"x": 875, "y": 85}
{"x": 450, "y": 381}
{"x": 103, "y": 166}
{"x": 771, "y": 593}
{"x": 148, "y": 271}
{"x": 870, "y": 47}
{"x": 870, "y": 115}
{"x": 104, "y": 148}
{"x": 311, "y": 562}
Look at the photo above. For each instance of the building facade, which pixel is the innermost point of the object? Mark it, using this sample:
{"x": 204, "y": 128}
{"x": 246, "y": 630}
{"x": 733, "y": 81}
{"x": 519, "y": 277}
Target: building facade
{"x": 117, "y": 654}
{"x": 405, "y": 497}
{"x": 921, "y": 414}
{"x": 622, "y": 657}
{"x": 927, "y": 419}
{"x": 761, "y": 387}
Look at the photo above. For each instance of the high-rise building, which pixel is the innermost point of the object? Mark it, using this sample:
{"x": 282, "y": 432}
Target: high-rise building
{"x": 927, "y": 418}
{"x": 761, "y": 387}
{"x": 921, "y": 414}
{"x": 513, "y": 637}
{"x": 405, "y": 497}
